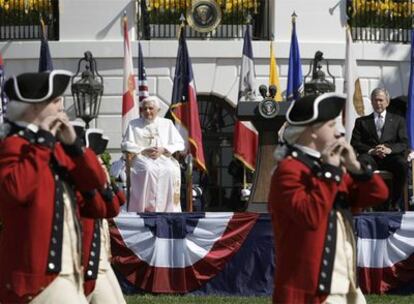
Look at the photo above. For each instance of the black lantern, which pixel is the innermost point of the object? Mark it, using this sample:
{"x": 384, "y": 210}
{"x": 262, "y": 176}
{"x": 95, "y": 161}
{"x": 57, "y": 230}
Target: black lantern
{"x": 87, "y": 91}
{"x": 319, "y": 84}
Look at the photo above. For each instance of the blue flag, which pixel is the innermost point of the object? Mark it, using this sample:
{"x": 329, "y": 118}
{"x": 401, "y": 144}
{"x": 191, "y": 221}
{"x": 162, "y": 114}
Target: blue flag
{"x": 410, "y": 110}
{"x": 45, "y": 60}
{"x": 295, "y": 79}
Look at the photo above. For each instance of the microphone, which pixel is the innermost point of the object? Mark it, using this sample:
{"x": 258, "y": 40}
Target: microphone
{"x": 263, "y": 90}
{"x": 272, "y": 90}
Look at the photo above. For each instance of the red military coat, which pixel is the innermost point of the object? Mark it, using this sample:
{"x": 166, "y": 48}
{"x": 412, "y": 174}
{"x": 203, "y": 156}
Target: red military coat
{"x": 111, "y": 200}
{"x": 32, "y": 167}
{"x": 300, "y": 202}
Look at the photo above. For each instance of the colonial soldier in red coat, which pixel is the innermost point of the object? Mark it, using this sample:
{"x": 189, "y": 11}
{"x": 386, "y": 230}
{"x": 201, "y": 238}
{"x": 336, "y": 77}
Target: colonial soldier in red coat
{"x": 316, "y": 182}
{"x": 101, "y": 285}
{"x": 44, "y": 173}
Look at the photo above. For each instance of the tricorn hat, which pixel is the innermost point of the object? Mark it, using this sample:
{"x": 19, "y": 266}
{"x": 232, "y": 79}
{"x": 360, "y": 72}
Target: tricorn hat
{"x": 37, "y": 87}
{"x": 315, "y": 108}
{"x": 96, "y": 140}
{"x": 79, "y": 127}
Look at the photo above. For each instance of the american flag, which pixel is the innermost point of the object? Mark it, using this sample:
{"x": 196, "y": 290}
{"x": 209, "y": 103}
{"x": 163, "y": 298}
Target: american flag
{"x": 142, "y": 76}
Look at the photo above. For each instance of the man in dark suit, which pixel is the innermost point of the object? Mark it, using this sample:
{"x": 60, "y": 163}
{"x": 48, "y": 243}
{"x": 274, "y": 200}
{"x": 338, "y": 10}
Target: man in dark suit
{"x": 380, "y": 139}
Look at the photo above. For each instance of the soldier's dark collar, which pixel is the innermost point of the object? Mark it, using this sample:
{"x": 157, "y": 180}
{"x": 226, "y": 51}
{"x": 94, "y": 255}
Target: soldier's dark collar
{"x": 321, "y": 170}
{"x": 21, "y": 131}
{"x": 312, "y": 162}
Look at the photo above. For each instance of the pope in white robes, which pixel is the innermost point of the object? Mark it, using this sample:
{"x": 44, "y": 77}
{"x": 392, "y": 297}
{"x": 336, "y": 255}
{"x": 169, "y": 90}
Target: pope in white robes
{"x": 155, "y": 175}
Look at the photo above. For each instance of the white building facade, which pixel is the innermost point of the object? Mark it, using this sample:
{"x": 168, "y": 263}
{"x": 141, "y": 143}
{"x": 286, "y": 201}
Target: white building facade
{"x": 96, "y": 25}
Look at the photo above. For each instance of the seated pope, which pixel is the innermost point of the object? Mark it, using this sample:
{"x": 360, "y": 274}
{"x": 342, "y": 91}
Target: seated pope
{"x": 155, "y": 177}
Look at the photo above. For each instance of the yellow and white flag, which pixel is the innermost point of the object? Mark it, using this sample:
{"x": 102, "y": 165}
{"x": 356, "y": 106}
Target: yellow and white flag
{"x": 354, "y": 106}
{"x": 274, "y": 75}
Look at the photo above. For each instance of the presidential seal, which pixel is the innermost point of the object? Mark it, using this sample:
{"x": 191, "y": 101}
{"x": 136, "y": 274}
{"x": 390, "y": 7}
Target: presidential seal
{"x": 268, "y": 108}
{"x": 204, "y": 15}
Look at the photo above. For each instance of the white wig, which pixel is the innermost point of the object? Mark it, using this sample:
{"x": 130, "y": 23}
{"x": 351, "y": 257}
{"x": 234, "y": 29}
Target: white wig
{"x": 288, "y": 135}
{"x": 16, "y": 109}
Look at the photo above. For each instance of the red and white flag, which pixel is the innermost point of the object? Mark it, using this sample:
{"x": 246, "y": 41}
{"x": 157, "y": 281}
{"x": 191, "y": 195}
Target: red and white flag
{"x": 130, "y": 108}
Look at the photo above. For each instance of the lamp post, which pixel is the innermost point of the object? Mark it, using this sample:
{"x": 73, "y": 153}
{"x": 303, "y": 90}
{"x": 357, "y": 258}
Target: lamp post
{"x": 87, "y": 91}
{"x": 319, "y": 84}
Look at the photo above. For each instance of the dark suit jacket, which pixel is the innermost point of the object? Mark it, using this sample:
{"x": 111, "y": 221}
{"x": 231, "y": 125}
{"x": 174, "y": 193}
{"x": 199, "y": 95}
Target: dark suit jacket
{"x": 394, "y": 134}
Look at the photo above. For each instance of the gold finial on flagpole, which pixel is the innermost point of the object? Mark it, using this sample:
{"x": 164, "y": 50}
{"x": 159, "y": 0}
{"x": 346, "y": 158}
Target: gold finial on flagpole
{"x": 125, "y": 17}
{"x": 294, "y": 16}
{"x": 42, "y": 25}
{"x": 182, "y": 20}
{"x": 249, "y": 18}
{"x": 182, "y": 25}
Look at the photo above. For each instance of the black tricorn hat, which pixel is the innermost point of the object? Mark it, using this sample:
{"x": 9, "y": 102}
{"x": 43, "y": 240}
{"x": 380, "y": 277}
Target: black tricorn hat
{"x": 79, "y": 127}
{"x": 37, "y": 87}
{"x": 96, "y": 141}
{"x": 315, "y": 108}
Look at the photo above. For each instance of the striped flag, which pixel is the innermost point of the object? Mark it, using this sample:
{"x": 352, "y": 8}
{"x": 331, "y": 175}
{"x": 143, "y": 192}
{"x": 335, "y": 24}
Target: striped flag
{"x": 245, "y": 134}
{"x": 184, "y": 105}
{"x": 410, "y": 110}
{"x": 45, "y": 59}
{"x": 2, "y": 95}
{"x": 142, "y": 75}
{"x": 184, "y": 252}
{"x": 295, "y": 76}
{"x": 354, "y": 106}
{"x": 274, "y": 74}
{"x": 385, "y": 251}
{"x": 129, "y": 99}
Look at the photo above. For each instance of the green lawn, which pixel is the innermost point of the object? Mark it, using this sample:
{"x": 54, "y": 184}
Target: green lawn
{"x": 151, "y": 299}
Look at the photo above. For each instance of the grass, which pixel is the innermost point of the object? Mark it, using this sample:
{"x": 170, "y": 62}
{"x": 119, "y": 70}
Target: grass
{"x": 189, "y": 299}
{"x": 390, "y": 299}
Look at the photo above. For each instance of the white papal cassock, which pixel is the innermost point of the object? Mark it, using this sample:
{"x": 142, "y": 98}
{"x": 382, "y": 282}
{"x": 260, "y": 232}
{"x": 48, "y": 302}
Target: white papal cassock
{"x": 155, "y": 183}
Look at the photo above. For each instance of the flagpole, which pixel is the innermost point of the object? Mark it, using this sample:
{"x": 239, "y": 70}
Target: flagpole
{"x": 408, "y": 202}
{"x": 189, "y": 157}
{"x": 128, "y": 160}
{"x": 410, "y": 113}
{"x": 189, "y": 180}
{"x": 128, "y": 156}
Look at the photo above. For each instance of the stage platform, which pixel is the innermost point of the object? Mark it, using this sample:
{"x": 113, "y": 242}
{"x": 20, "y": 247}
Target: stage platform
{"x": 232, "y": 253}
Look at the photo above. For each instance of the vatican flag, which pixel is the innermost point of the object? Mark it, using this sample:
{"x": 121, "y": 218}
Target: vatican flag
{"x": 274, "y": 75}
